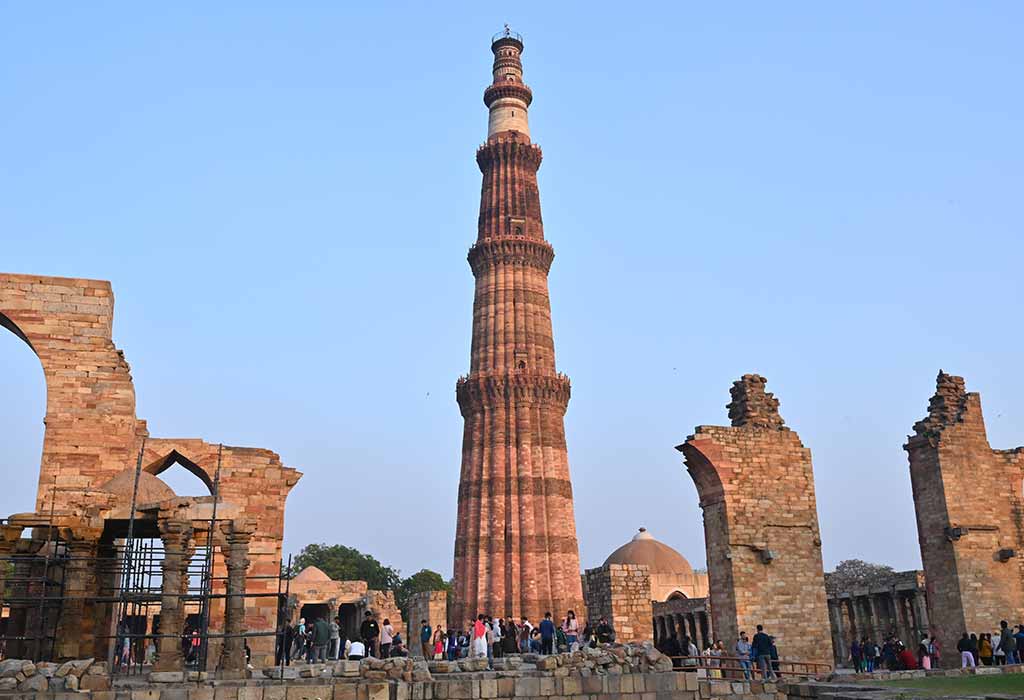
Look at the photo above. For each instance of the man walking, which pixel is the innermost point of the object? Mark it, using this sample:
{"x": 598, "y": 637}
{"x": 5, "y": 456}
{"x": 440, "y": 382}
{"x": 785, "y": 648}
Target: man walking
{"x": 547, "y": 634}
{"x": 762, "y": 645}
{"x": 1008, "y": 643}
{"x": 370, "y": 632}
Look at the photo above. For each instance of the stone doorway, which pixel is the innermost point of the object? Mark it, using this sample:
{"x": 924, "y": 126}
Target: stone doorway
{"x": 314, "y": 611}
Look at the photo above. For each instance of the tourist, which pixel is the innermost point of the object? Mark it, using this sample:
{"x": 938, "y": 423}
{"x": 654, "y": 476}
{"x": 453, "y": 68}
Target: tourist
{"x": 310, "y": 642}
{"x": 856, "y": 656}
{"x": 1007, "y": 642}
{"x": 966, "y": 657}
{"x": 398, "y": 648}
{"x": 908, "y": 660}
{"x": 924, "y": 656}
{"x": 369, "y": 631}
{"x": 387, "y": 636}
{"x": 525, "y": 628}
{"x": 335, "y": 639}
{"x": 497, "y": 633}
{"x": 985, "y": 649}
{"x": 356, "y": 651}
{"x": 773, "y": 653}
{"x": 536, "y": 646}
{"x": 321, "y": 638}
{"x": 489, "y": 637}
{"x": 935, "y": 652}
{"x": 998, "y": 655}
{"x": 547, "y": 634}
{"x": 716, "y": 652}
{"x": 605, "y": 633}
{"x": 762, "y": 645}
{"x": 426, "y": 634}
{"x": 571, "y": 627}
{"x": 479, "y": 644}
{"x": 870, "y": 650}
{"x": 743, "y": 648}
{"x": 440, "y": 645}
{"x": 510, "y": 637}
{"x": 452, "y": 645}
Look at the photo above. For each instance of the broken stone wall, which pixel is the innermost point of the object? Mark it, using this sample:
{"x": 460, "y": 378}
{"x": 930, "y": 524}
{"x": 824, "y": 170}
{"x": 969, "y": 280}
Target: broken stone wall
{"x": 756, "y": 488}
{"x": 968, "y": 502}
{"x": 621, "y": 593}
{"x": 431, "y": 606}
{"x": 93, "y": 436}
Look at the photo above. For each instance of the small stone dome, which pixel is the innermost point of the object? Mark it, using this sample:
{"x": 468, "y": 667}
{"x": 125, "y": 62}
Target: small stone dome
{"x": 152, "y": 489}
{"x": 311, "y": 574}
{"x": 644, "y": 549}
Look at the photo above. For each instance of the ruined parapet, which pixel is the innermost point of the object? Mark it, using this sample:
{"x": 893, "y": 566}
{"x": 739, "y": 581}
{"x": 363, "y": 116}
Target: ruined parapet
{"x": 621, "y": 593}
{"x": 429, "y": 606}
{"x": 968, "y": 502}
{"x": 756, "y": 487}
{"x": 752, "y": 406}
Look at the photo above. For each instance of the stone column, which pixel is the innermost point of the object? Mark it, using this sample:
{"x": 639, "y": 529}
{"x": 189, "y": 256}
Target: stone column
{"x": 238, "y": 533}
{"x": 705, "y": 634}
{"x": 75, "y": 632}
{"x": 836, "y": 613}
{"x": 177, "y": 538}
{"x": 876, "y": 620}
{"x": 921, "y": 614}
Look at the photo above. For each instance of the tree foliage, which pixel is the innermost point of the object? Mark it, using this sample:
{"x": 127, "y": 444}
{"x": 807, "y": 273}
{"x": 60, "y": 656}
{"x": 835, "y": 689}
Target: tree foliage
{"x": 343, "y": 563}
{"x": 422, "y": 580}
{"x": 854, "y": 573}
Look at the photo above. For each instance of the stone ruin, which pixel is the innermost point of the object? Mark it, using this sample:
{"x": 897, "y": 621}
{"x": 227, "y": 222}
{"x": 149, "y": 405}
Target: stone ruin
{"x": 98, "y": 459}
{"x": 969, "y": 503}
{"x": 756, "y": 488}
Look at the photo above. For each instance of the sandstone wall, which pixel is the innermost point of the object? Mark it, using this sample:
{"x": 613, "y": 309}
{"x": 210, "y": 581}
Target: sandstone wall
{"x": 756, "y": 488}
{"x": 621, "y": 593}
{"x": 93, "y": 436}
{"x": 969, "y": 506}
{"x": 431, "y": 606}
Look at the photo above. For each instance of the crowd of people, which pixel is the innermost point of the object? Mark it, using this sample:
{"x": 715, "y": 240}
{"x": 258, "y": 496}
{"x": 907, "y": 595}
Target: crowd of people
{"x": 319, "y": 640}
{"x": 749, "y": 655}
{"x": 1003, "y": 646}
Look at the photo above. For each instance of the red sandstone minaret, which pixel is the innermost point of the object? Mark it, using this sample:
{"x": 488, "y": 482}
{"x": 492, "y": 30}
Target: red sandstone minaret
{"x": 515, "y": 543}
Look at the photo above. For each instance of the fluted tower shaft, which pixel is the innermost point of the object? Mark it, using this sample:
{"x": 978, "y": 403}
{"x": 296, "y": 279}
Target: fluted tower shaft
{"x": 516, "y": 551}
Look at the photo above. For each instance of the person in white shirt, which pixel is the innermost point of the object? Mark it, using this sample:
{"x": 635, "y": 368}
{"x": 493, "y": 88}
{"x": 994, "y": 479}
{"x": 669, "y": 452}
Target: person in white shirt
{"x": 356, "y": 651}
{"x": 387, "y": 635}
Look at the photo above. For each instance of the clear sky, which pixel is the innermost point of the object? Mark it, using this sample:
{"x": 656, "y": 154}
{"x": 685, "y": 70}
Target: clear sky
{"x": 283, "y": 195}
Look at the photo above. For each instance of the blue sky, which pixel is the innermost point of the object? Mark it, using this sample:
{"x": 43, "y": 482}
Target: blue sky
{"x": 283, "y": 196}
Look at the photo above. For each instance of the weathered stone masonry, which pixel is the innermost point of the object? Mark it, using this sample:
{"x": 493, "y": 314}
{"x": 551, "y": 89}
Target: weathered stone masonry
{"x": 969, "y": 506}
{"x": 756, "y": 488}
{"x": 516, "y": 551}
{"x": 93, "y": 439}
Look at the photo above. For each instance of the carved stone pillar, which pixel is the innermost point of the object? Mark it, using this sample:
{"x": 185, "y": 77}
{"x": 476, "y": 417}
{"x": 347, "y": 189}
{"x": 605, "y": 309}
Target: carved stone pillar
{"x": 177, "y": 538}
{"x": 75, "y": 633}
{"x": 921, "y": 614}
{"x": 238, "y": 533}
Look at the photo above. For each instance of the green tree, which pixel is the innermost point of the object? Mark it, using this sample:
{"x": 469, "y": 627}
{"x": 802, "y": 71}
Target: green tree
{"x": 422, "y": 580}
{"x": 854, "y": 573}
{"x": 343, "y": 563}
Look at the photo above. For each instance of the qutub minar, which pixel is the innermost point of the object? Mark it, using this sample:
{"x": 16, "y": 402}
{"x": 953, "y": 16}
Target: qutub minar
{"x": 515, "y": 544}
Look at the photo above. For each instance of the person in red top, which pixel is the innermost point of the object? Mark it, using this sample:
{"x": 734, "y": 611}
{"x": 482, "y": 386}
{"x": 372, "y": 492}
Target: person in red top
{"x": 908, "y": 659}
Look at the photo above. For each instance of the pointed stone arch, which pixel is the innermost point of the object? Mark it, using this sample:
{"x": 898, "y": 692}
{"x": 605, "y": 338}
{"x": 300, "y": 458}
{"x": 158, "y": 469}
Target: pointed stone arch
{"x": 756, "y": 488}
{"x": 159, "y": 466}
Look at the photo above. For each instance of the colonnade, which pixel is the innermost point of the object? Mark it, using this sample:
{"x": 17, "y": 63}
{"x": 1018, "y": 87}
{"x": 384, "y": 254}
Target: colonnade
{"x": 694, "y": 624}
{"x": 877, "y": 615}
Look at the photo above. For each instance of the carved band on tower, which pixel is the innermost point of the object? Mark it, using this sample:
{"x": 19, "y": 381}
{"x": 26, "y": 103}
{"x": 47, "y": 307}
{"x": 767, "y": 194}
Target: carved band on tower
{"x": 516, "y": 551}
